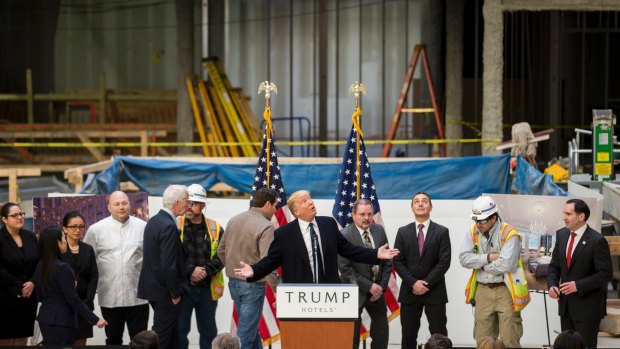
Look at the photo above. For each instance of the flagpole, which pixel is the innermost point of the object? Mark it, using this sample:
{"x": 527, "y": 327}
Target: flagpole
{"x": 356, "y": 88}
{"x": 267, "y": 87}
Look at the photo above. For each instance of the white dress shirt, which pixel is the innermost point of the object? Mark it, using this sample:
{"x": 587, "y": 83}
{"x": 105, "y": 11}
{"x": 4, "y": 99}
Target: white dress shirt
{"x": 118, "y": 247}
{"x": 579, "y": 234}
{"x": 305, "y": 233}
{"x": 425, "y": 229}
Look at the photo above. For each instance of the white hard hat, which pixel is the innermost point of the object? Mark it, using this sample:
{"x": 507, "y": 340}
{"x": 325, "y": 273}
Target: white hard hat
{"x": 483, "y": 207}
{"x": 197, "y": 193}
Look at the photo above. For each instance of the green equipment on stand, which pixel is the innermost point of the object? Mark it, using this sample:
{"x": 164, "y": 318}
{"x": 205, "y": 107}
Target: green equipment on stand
{"x": 603, "y": 121}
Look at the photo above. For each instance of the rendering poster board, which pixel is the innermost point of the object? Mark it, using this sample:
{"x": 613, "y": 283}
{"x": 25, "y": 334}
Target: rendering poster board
{"x": 50, "y": 211}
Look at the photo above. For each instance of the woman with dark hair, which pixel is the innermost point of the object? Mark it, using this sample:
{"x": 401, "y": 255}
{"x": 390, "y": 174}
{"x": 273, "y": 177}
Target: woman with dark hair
{"x": 60, "y": 304}
{"x": 19, "y": 255}
{"x": 81, "y": 257}
{"x": 569, "y": 340}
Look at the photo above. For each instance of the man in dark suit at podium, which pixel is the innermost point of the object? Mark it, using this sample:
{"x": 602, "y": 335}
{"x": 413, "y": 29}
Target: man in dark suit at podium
{"x": 372, "y": 280}
{"x": 579, "y": 272}
{"x": 307, "y": 248}
{"x": 422, "y": 266}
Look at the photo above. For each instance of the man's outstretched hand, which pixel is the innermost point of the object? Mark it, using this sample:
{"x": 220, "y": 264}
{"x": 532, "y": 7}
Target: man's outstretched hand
{"x": 246, "y": 270}
{"x": 385, "y": 253}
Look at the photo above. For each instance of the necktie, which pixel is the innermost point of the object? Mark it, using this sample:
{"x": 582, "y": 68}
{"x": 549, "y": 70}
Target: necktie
{"x": 569, "y": 252}
{"x": 317, "y": 257}
{"x": 375, "y": 268}
{"x": 420, "y": 238}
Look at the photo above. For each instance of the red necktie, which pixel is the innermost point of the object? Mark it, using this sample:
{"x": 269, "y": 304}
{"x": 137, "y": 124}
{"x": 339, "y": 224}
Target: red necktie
{"x": 420, "y": 237}
{"x": 569, "y": 252}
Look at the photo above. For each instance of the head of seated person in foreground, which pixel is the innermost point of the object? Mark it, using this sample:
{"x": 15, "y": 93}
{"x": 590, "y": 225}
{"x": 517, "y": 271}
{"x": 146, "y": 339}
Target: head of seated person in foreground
{"x": 226, "y": 341}
{"x": 438, "y": 341}
{"x": 569, "y": 340}
{"x": 490, "y": 343}
{"x": 147, "y": 339}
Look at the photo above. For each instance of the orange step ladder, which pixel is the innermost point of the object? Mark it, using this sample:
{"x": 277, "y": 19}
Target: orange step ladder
{"x": 413, "y": 61}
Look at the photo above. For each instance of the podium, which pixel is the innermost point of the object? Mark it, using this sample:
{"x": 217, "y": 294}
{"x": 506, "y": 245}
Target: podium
{"x": 317, "y": 315}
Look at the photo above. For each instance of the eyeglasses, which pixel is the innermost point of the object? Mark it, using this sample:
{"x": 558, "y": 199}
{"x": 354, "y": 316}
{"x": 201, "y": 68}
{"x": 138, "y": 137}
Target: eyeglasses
{"x": 193, "y": 203}
{"x": 17, "y": 215}
{"x": 482, "y": 221}
{"x": 74, "y": 227}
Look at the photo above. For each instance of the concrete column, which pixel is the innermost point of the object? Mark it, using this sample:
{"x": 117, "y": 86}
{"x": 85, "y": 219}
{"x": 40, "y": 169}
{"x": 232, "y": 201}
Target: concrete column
{"x": 431, "y": 34}
{"x": 454, "y": 74}
{"x": 492, "y": 76}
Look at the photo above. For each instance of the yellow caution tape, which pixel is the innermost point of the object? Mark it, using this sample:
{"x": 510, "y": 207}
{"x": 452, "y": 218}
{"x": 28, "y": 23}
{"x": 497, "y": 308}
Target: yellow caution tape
{"x": 233, "y": 144}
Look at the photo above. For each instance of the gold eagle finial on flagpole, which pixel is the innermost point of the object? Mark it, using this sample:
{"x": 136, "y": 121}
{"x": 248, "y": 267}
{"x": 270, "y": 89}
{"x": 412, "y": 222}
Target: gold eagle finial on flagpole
{"x": 355, "y": 89}
{"x": 268, "y": 88}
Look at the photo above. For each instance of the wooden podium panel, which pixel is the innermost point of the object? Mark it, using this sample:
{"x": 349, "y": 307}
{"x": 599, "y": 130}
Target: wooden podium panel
{"x": 322, "y": 334}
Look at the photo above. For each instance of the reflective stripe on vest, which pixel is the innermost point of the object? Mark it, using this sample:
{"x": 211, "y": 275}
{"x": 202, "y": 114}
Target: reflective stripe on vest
{"x": 515, "y": 281}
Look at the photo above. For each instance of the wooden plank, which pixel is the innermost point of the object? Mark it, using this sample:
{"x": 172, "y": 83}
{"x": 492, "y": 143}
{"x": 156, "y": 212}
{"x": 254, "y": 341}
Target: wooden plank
{"x": 13, "y": 173}
{"x": 87, "y": 127}
{"x": 20, "y": 172}
{"x": 614, "y": 245}
{"x": 30, "y": 100}
{"x": 70, "y": 134}
{"x": 94, "y": 151}
{"x": 86, "y": 169}
{"x": 43, "y": 167}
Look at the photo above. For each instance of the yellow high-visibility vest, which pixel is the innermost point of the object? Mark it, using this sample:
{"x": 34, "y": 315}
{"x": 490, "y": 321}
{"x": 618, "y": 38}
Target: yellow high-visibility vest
{"x": 515, "y": 281}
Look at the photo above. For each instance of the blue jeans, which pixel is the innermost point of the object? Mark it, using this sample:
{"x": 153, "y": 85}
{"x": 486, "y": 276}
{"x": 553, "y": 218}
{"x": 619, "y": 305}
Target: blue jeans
{"x": 198, "y": 298}
{"x": 248, "y": 298}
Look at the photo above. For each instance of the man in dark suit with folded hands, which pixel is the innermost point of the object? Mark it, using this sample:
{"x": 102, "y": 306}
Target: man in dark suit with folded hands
{"x": 422, "y": 266}
{"x": 163, "y": 278}
{"x": 308, "y": 247}
{"x": 579, "y": 272}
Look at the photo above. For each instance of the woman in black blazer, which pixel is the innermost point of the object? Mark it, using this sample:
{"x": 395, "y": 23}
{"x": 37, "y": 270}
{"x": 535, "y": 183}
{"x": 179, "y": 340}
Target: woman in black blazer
{"x": 81, "y": 257}
{"x": 19, "y": 255}
{"x": 56, "y": 290}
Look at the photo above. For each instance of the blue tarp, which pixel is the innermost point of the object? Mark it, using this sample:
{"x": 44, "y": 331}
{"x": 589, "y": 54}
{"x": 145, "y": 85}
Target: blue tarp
{"x": 527, "y": 180}
{"x": 453, "y": 178}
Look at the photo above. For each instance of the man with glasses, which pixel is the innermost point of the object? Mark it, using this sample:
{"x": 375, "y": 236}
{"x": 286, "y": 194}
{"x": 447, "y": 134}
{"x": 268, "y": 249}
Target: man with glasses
{"x": 372, "y": 280}
{"x": 200, "y": 236}
{"x": 497, "y": 286}
{"x": 117, "y": 242}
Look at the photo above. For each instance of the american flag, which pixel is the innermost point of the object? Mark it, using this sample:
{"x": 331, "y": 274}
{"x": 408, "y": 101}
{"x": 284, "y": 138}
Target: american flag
{"x": 268, "y": 175}
{"x": 268, "y": 163}
{"x": 346, "y": 195}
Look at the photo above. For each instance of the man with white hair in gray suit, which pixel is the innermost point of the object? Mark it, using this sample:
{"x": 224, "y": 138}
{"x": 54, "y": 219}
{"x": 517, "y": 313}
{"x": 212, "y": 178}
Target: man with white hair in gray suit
{"x": 163, "y": 267}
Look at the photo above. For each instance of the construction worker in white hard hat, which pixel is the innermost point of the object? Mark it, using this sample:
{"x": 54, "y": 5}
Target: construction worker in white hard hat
{"x": 200, "y": 236}
{"x": 497, "y": 288}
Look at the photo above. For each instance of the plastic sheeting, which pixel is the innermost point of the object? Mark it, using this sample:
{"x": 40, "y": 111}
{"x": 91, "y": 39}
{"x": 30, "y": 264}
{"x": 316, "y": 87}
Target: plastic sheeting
{"x": 529, "y": 181}
{"x": 454, "y": 178}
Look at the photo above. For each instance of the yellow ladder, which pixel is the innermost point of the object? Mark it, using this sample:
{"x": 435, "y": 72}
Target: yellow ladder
{"x": 230, "y": 112}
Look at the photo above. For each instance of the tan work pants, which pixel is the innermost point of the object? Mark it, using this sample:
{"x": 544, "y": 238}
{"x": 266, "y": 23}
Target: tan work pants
{"x": 494, "y": 316}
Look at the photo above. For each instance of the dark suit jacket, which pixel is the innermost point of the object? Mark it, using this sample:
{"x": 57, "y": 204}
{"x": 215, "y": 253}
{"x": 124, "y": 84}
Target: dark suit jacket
{"x": 163, "y": 265}
{"x": 60, "y": 304}
{"x": 430, "y": 267}
{"x": 289, "y": 251}
{"x": 360, "y": 273}
{"x": 16, "y": 265}
{"x": 591, "y": 270}
{"x": 86, "y": 272}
